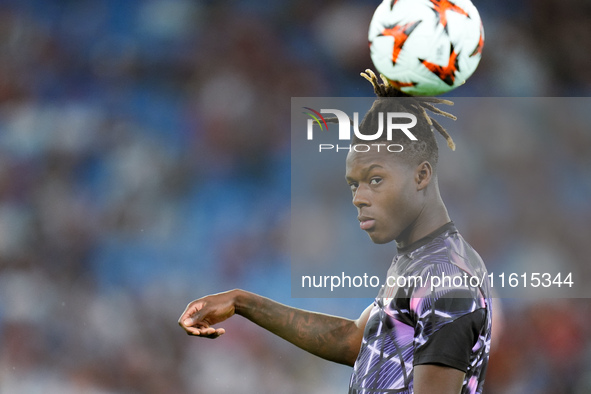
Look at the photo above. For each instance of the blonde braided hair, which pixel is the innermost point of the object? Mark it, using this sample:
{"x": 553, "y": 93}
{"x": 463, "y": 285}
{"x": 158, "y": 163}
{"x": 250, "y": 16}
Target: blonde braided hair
{"x": 421, "y": 104}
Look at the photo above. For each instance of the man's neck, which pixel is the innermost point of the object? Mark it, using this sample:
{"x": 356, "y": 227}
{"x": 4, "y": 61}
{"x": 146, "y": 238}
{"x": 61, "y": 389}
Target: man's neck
{"x": 432, "y": 216}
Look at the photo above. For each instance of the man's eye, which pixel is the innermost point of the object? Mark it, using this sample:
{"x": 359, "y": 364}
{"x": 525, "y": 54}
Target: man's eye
{"x": 353, "y": 186}
{"x": 375, "y": 181}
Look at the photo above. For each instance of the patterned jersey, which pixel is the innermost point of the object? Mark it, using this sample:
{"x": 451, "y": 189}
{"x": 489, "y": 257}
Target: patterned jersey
{"x": 430, "y": 312}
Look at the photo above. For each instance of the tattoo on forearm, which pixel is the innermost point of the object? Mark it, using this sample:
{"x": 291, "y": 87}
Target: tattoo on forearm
{"x": 329, "y": 337}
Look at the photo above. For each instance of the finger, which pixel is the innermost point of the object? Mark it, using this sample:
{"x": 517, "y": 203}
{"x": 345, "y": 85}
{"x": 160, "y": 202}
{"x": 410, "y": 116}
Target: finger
{"x": 196, "y": 329}
{"x": 189, "y": 311}
{"x": 188, "y": 316}
{"x": 195, "y": 320}
{"x": 199, "y": 331}
{"x": 205, "y": 331}
{"x": 208, "y": 332}
{"x": 192, "y": 331}
{"x": 217, "y": 333}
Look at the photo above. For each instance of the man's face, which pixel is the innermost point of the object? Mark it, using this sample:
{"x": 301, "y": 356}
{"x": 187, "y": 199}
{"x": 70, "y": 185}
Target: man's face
{"x": 384, "y": 192}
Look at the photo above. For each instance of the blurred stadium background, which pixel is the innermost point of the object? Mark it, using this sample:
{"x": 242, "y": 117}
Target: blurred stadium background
{"x": 144, "y": 162}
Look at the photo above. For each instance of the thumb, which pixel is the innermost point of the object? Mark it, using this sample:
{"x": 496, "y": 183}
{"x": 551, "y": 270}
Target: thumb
{"x": 191, "y": 316}
{"x": 193, "y": 319}
{"x": 188, "y": 322}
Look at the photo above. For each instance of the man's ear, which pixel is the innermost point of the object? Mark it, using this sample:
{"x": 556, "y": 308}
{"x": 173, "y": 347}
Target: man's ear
{"x": 423, "y": 175}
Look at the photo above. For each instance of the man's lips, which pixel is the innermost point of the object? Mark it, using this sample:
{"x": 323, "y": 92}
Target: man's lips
{"x": 366, "y": 223}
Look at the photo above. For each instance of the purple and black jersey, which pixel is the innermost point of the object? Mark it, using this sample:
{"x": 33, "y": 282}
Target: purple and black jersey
{"x": 418, "y": 318}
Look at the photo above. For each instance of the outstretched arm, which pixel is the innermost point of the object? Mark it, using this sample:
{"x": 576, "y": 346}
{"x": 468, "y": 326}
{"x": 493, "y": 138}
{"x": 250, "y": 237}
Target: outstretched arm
{"x": 333, "y": 338}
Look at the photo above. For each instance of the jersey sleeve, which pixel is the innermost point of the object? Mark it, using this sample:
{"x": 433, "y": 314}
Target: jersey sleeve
{"x": 448, "y": 318}
{"x": 451, "y": 345}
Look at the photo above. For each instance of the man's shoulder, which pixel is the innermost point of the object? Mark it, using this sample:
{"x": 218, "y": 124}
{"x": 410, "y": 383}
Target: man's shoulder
{"x": 447, "y": 248}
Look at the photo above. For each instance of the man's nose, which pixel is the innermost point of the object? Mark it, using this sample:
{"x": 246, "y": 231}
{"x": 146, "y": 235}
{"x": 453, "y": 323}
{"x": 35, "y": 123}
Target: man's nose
{"x": 361, "y": 197}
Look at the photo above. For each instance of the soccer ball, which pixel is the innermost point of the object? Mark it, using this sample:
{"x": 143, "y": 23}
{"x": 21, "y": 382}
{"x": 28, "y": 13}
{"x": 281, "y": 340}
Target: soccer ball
{"x": 426, "y": 47}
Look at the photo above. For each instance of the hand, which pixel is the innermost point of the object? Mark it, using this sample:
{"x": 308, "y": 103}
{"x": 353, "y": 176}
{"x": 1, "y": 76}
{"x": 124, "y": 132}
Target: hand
{"x": 200, "y": 315}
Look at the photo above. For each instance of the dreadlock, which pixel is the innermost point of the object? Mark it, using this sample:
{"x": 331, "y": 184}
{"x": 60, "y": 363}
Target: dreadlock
{"x": 419, "y": 104}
